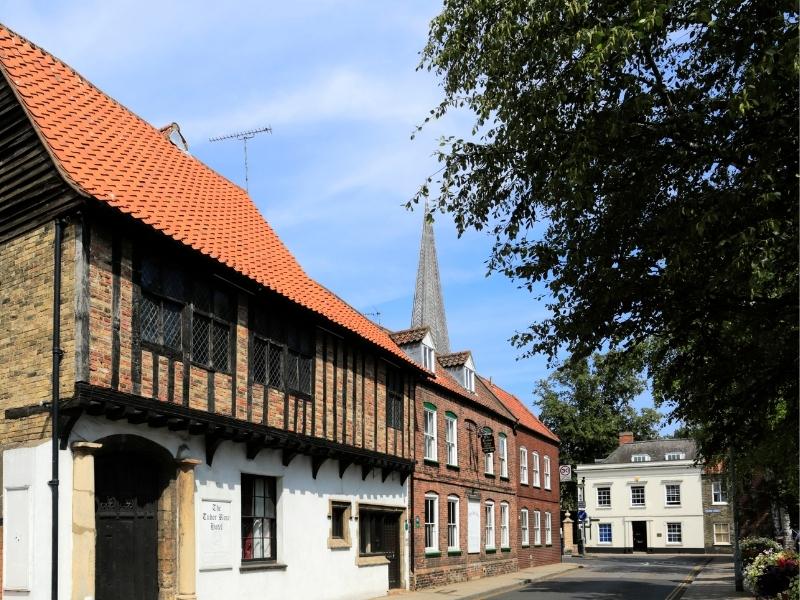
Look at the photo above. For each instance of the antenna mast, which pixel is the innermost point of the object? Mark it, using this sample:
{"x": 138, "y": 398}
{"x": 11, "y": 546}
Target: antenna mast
{"x": 243, "y": 136}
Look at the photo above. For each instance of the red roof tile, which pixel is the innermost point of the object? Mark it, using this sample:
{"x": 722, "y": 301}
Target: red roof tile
{"x": 106, "y": 152}
{"x": 454, "y": 359}
{"x": 520, "y": 411}
{"x": 481, "y": 396}
{"x": 409, "y": 336}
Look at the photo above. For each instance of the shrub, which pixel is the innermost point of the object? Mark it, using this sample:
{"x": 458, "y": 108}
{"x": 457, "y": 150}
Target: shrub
{"x": 771, "y": 574}
{"x": 753, "y": 546}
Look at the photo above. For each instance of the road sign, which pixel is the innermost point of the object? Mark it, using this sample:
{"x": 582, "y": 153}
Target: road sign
{"x": 565, "y": 472}
{"x": 582, "y": 516}
{"x": 581, "y": 505}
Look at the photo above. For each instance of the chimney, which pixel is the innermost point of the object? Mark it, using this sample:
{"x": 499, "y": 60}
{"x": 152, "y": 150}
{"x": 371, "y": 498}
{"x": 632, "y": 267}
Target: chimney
{"x": 625, "y": 437}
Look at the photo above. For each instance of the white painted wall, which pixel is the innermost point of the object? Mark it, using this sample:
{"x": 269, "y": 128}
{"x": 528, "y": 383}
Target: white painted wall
{"x": 313, "y": 570}
{"x": 29, "y": 469}
{"x": 653, "y": 476}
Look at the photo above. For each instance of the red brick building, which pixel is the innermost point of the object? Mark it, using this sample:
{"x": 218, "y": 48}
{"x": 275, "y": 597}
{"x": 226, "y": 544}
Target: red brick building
{"x": 537, "y": 481}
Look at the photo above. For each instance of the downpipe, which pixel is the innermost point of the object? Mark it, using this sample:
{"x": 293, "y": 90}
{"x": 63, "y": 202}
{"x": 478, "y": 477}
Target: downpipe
{"x": 58, "y": 353}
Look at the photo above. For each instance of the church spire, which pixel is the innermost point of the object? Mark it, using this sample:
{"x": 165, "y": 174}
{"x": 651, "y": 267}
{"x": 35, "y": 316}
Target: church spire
{"x": 428, "y": 301}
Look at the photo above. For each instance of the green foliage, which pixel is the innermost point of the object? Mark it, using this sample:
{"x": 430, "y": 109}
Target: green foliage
{"x": 587, "y": 404}
{"x": 753, "y": 546}
{"x": 639, "y": 159}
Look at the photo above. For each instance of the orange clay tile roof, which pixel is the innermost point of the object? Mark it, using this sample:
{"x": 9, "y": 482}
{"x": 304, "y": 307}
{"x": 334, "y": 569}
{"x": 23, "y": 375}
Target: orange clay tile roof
{"x": 409, "y": 336}
{"x": 106, "y": 152}
{"x": 482, "y": 395}
{"x": 453, "y": 360}
{"x": 526, "y": 417}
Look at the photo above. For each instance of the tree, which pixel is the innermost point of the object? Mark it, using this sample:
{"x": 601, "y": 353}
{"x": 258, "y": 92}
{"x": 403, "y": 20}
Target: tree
{"x": 588, "y": 403}
{"x": 639, "y": 160}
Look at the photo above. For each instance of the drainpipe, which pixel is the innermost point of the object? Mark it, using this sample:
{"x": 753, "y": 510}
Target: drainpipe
{"x": 55, "y": 383}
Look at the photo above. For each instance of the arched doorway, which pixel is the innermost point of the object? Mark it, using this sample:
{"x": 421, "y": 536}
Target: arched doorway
{"x": 131, "y": 474}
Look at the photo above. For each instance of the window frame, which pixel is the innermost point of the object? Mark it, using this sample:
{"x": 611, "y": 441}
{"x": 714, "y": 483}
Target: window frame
{"x": 674, "y": 456}
{"x": 270, "y": 486}
{"x": 489, "y": 530}
{"x": 428, "y": 358}
{"x": 453, "y": 527}
{"x": 537, "y": 528}
{"x": 727, "y": 533}
{"x": 548, "y": 483}
{"x": 505, "y": 534}
{"x": 523, "y": 465}
{"x": 597, "y": 494}
{"x": 395, "y": 399}
{"x": 524, "y": 521}
{"x": 548, "y": 528}
{"x": 644, "y": 496}
{"x": 430, "y": 438}
{"x": 469, "y": 379}
{"x": 721, "y": 491}
{"x": 537, "y": 479}
{"x": 502, "y": 446}
{"x": 672, "y": 503}
{"x": 610, "y": 530}
{"x": 636, "y": 458}
{"x": 451, "y": 445}
{"x": 344, "y": 540}
{"x": 679, "y": 533}
{"x": 431, "y": 532}
{"x": 214, "y": 320}
{"x": 157, "y": 293}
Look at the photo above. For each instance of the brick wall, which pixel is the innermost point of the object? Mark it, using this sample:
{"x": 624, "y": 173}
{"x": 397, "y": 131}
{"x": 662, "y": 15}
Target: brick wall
{"x": 715, "y": 513}
{"x": 538, "y": 498}
{"x": 468, "y": 479}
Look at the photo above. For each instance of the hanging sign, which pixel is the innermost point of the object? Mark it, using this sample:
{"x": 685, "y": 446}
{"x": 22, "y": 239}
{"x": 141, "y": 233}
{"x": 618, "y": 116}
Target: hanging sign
{"x": 487, "y": 442}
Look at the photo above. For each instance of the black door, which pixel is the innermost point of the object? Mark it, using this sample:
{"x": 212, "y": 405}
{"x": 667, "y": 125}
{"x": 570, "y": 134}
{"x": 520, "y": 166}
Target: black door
{"x": 126, "y": 500}
{"x": 639, "y": 536}
{"x": 391, "y": 540}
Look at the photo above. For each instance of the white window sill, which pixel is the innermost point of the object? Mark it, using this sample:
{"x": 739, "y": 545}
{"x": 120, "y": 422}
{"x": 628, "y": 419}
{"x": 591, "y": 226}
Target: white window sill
{"x": 603, "y": 508}
{"x": 673, "y": 506}
{"x": 719, "y": 504}
{"x": 674, "y": 543}
{"x": 638, "y": 506}
{"x": 722, "y": 543}
{"x": 371, "y": 561}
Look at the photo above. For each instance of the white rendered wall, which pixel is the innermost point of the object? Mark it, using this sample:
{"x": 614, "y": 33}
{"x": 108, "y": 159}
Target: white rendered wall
{"x": 312, "y": 569}
{"x": 654, "y": 476}
{"x": 31, "y": 468}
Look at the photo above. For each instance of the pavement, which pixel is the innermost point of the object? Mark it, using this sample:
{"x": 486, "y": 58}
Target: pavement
{"x": 710, "y": 579}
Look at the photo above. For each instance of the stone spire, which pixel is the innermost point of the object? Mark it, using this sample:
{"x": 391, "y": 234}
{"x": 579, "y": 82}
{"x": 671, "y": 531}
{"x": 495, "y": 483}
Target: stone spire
{"x": 428, "y": 301}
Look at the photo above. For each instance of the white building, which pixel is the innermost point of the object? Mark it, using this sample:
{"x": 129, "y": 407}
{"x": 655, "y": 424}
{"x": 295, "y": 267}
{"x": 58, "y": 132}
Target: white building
{"x": 645, "y": 496}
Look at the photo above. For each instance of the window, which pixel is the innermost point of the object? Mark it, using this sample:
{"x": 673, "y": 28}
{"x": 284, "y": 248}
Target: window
{"x": 722, "y": 533}
{"x": 673, "y": 494}
{"x": 451, "y": 438}
{"x": 163, "y": 298}
{"x": 523, "y": 520}
{"x": 213, "y": 313}
{"x": 604, "y": 533}
{"x": 488, "y": 458}
{"x": 502, "y": 443}
{"x": 674, "y": 533}
{"x": 490, "y": 542}
{"x": 640, "y": 458}
{"x": 548, "y": 528}
{"x": 546, "y": 472}
{"x": 428, "y": 358}
{"x": 469, "y": 379}
{"x": 452, "y": 523}
{"x": 604, "y": 496}
{"x": 430, "y": 432}
{"x": 394, "y": 398}
{"x": 536, "y": 480}
{"x": 267, "y": 363}
{"x": 537, "y": 528}
{"x": 523, "y": 466}
{"x": 373, "y": 527}
{"x": 637, "y": 495}
{"x": 339, "y": 515}
{"x": 259, "y": 534}
{"x": 719, "y": 492}
{"x": 504, "y": 536}
{"x": 674, "y": 456}
{"x": 431, "y": 522}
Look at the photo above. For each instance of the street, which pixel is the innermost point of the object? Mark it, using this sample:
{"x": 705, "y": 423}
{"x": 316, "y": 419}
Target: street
{"x": 638, "y": 577}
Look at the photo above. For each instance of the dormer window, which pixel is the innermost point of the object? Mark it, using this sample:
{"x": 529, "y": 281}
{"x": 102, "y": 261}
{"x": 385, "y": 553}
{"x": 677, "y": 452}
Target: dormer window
{"x": 674, "y": 456}
{"x": 428, "y": 358}
{"x": 469, "y": 379}
{"x": 640, "y": 458}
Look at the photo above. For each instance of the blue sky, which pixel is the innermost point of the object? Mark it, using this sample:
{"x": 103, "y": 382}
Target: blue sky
{"x": 337, "y": 82}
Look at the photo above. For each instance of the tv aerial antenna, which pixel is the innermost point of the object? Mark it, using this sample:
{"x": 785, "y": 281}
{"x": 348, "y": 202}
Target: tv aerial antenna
{"x": 243, "y": 136}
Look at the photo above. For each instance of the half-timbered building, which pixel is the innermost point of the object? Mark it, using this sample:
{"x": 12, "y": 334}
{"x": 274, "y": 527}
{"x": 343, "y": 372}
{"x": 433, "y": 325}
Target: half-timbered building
{"x": 184, "y": 409}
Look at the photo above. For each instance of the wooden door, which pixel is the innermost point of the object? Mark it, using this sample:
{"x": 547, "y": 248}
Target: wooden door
{"x": 473, "y": 526}
{"x": 126, "y": 501}
{"x": 391, "y": 541}
{"x": 639, "y": 535}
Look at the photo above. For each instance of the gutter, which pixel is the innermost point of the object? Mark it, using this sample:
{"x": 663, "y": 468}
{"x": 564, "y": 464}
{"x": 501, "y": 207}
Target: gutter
{"x": 58, "y": 354}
